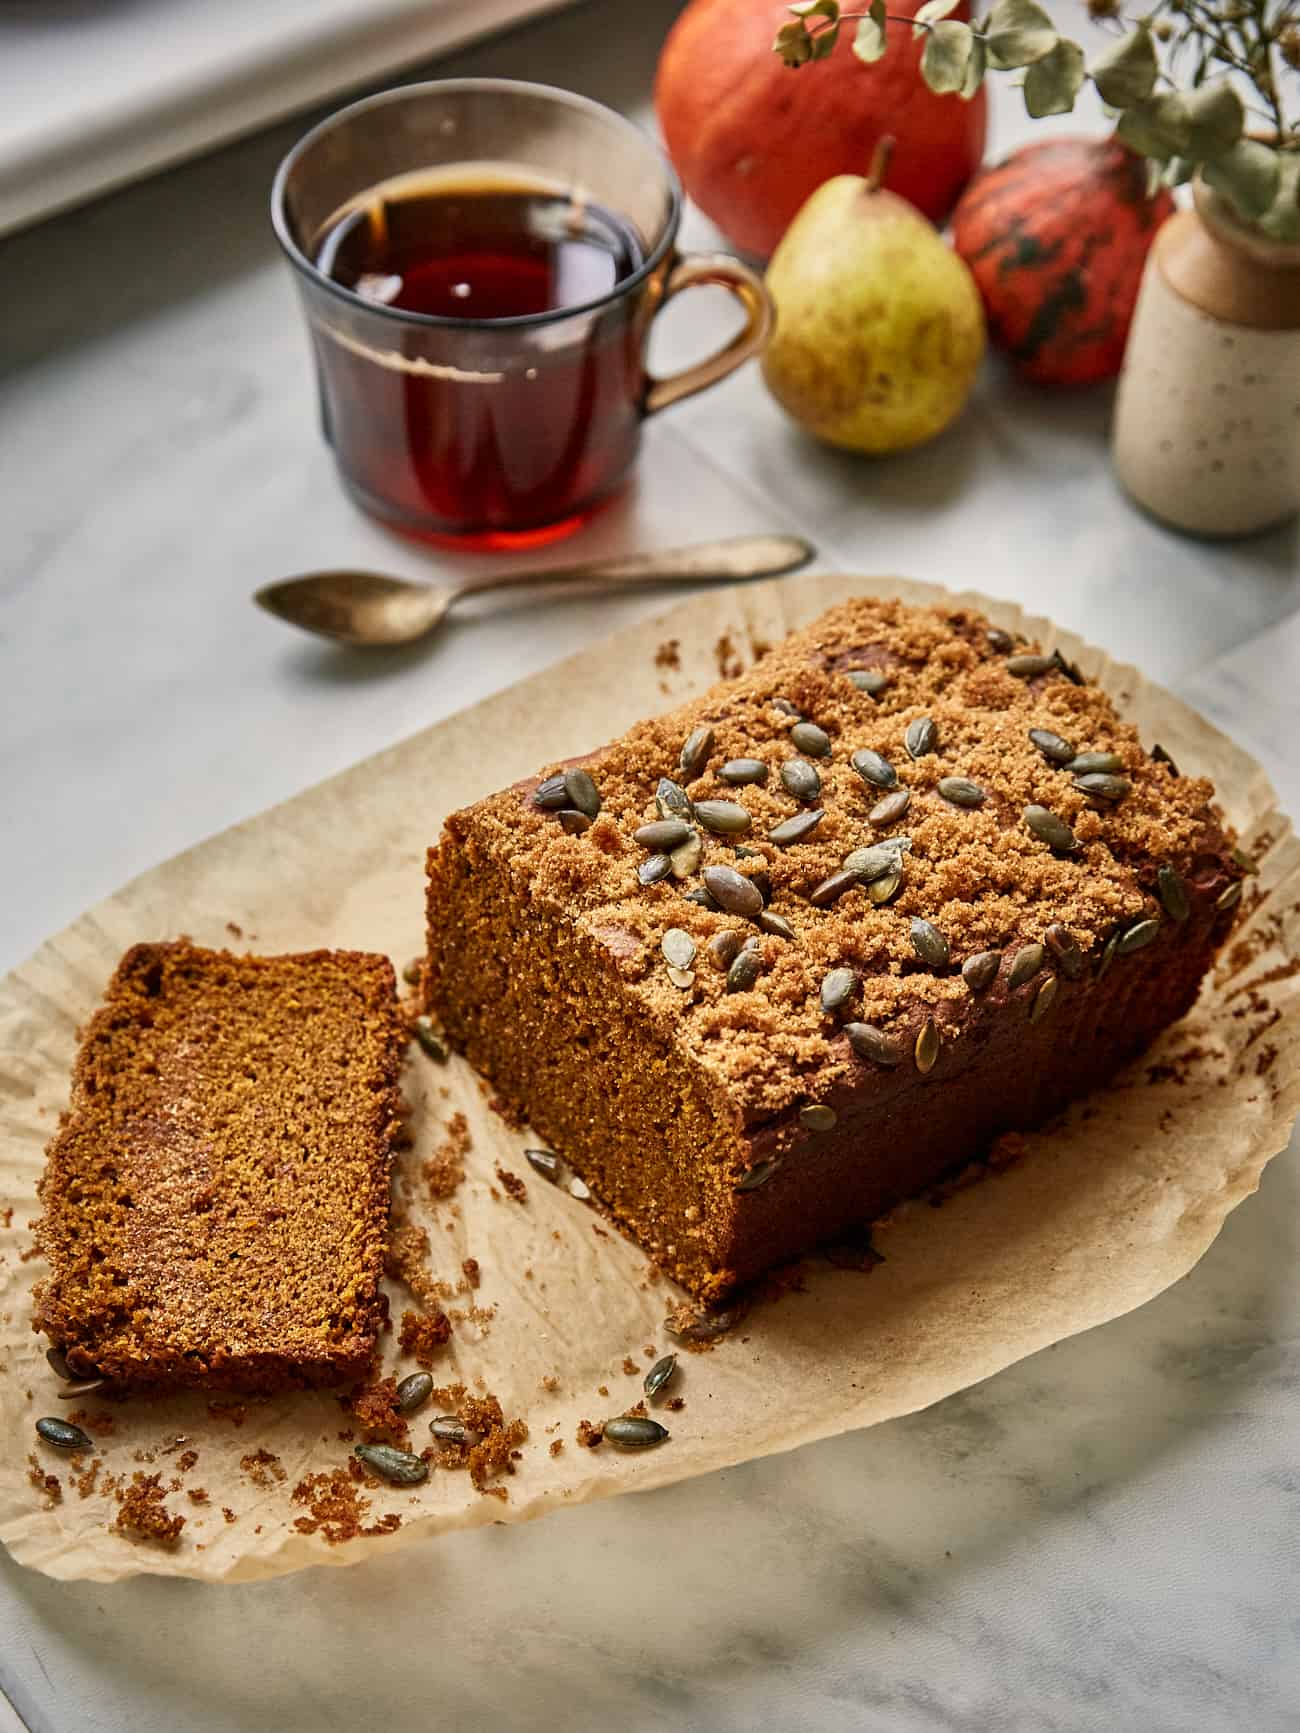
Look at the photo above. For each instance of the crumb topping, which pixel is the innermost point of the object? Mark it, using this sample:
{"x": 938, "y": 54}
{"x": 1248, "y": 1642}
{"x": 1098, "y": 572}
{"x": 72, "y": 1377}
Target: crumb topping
{"x": 976, "y": 873}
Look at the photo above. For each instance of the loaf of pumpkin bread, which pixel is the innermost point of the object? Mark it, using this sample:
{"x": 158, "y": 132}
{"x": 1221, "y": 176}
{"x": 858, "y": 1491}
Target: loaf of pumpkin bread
{"x": 776, "y": 960}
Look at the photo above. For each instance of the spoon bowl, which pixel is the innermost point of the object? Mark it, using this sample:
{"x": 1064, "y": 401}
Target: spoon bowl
{"x": 373, "y": 610}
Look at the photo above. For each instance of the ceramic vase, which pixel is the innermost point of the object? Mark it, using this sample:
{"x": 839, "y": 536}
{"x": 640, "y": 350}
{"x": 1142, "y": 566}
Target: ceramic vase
{"x": 1207, "y": 416}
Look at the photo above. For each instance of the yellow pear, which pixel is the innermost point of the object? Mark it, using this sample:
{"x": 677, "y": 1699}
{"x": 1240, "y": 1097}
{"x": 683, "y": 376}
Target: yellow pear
{"x": 879, "y": 330}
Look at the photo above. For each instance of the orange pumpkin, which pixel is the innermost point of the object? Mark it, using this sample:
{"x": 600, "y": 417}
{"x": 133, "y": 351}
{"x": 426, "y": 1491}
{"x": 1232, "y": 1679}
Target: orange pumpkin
{"x": 1056, "y": 237}
{"x": 752, "y": 138}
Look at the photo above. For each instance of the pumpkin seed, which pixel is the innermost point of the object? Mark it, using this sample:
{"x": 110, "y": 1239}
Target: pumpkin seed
{"x": 58, "y": 1365}
{"x": 707, "y": 1327}
{"x": 870, "y": 680}
{"x": 700, "y": 896}
{"x": 1064, "y": 947}
{"x": 961, "y": 791}
{"x": 811, "y": 739}
{"x": 787, "y": 708}
{"x": 871, "y": 1043}
{"x": 872, "y": 768}
{"x": 630, "y": 1432}
{"x": 398, "y": 1467}
{"x": 733, "y": 891}
{"x": 654, "y": 868}
{"x": 685, "y": 859}
{"x": 1103, "y": 787}
{"x": 1137, "y": 936}
{"x": 815, "y": 1117}
{"x": 891, "y": 808}
{"x": 545, "y": 1162}
{"x": 1026, "y": 963}
{"x": 413, "y": 972}
{"x": 1230, "y": 897}
{"x": 678, "y": 948}
{"x": 413, "y": 1392}
{"x": 884, "y": 890}
{"x": 742, "y": 770}
{"x": 723, "y": 817}
{"x": 74, "y": 1392}
{"x": 759, "y": 1174}
{"x": 663, "y": 836}
{"x": 695, "y": 752}
{"x": 777, "y": 925}
{"x": 428, "y": 1041}
{"x": 926, "y": 1051}
{"x": 1107, "y": 955}
{"x": 1160, "y": 756}
{"x": 1043, "y": 1000}
{"x": 582, "y": 792}
{"x": 1071, "y": 670}
{"x": 724, "y": 948}
{"x": 1244, "y": 861}
{"x": 831, "y": 889}
{"x": 981, "y": 970}
{"x": 681, "y": 978}
{"x": 62, "y": 1434}
{"x": 796, "y": 829}
{"x": 1000, "y": 641}
{"x": 1028, "y": 665}
{"x": 1091, "y": 763}
{"x": 1172, "y": 893}
{"x": 551, "y": 794}
{"x": 580, "y": 1189}
{"x": 837, "y": 988}
{"x": 658, "y": 1375}
{"x": 800, "y": 779}
{"x": 1048, "y": 828}
{"x": 744, "y": 972}
{"x": 1054, "y": 747}
{"x": 929, "y": 943}
{"x": 573, "y": 822}
{"x": 672, "y": 800}
{"x": 876, "y": 859}
{"x": 451, "y": 1429}
{"x": 922, "y": 736}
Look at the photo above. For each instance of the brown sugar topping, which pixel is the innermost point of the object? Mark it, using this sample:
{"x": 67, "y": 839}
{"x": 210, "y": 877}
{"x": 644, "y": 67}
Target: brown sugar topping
{"x": 977, "y": 873}
{"x": 376, "y": 1412}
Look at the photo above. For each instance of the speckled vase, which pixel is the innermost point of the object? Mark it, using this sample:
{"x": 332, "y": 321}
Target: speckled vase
{"x": 1207, "y": 418}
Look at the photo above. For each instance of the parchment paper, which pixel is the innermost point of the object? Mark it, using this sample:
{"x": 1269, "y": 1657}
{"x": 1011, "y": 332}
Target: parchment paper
{"x": 1104, "y": 1212}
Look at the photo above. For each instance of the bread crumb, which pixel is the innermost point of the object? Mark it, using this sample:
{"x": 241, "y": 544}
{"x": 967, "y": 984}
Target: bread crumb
{"x": 197, "y": 1495}
{"x": 557, "y": 1446}
{"x": 337, "y": 1507}
{"x": 375, "y": 1409}
{"x": 630, "y": 1367}
{"x": 263, "y": 1467}
{"x": 445, "y": 1168}
{"x": 422, "y": 1335}
{"x": 669, "y": 654}
{"x": 511, "y": 1184}
{"x": 144, "y": 1516}
{"x": 471, "y": 1271}
{"x": 589, "y": 1434}
{"x": 186, "y": 1460}
{"x": 49, "y": 1484}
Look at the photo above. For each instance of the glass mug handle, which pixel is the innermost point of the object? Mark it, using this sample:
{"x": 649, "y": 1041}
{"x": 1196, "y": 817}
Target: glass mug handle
{"x": 760, "y": 316}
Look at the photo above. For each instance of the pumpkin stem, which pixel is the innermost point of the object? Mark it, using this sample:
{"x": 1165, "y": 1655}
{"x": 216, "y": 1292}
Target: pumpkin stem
{"x": 880, "y": 158}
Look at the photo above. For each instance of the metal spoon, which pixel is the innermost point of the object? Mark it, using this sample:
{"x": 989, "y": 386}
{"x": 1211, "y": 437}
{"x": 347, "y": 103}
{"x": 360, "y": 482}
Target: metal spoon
{"x": 370, "y": 609}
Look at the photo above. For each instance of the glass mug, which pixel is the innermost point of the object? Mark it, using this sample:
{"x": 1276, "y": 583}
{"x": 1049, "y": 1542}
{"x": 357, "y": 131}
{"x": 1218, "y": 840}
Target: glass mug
{"x": 491, "y": 431}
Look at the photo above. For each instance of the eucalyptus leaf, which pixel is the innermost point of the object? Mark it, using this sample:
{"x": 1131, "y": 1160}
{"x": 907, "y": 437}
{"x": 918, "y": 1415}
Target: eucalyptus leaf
{"x": 817, "y": 9}
{"x": 947, "y": 55}
{"x": 869, "y": 42}
{"x": 1249, "y": 177}
{"x": 931, "y": 13}
{"x": 976, "y": 67}
{"x": 1052, "y": 83}
{"x": 1159, "y": 127}
{"x": 823, "y": 44}
{"x": 793, "y": 43}
{"x": 1281, "y": 221}
{"x": 1218, "y": 119}
{"x": 1126, "y": 72}
{"x": 1178, "y": 171}
{"x": 1019, "y": 33}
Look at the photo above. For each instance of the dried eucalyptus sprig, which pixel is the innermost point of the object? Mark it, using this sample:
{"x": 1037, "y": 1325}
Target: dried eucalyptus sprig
{"x": 1198, "y": 127}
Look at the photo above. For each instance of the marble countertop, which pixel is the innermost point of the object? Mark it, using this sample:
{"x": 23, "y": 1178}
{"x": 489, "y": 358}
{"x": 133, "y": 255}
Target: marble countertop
{"x": 1103, "y": 1537}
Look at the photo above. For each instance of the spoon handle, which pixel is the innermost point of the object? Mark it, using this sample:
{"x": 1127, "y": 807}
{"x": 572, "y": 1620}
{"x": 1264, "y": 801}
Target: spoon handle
{"x": 734, "y": 557}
